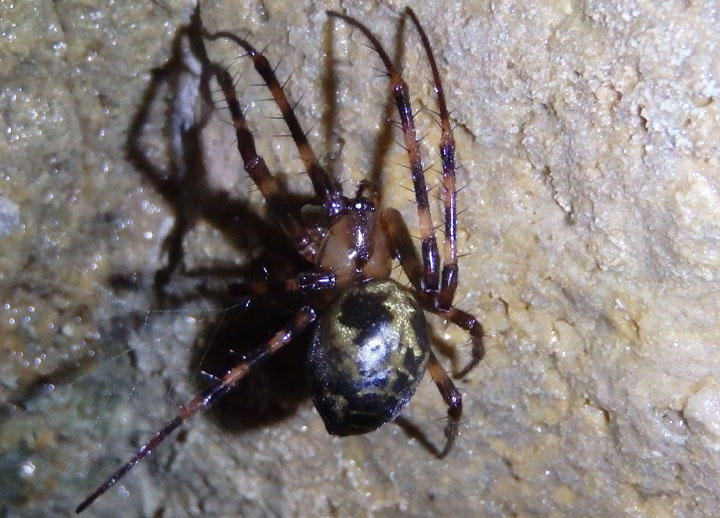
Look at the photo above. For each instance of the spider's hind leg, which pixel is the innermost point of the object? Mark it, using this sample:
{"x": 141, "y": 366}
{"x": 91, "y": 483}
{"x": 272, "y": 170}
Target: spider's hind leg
{"x": 302, "y": 319}
{"x": 403, "y": 249}
{"x": 453, "y": 400}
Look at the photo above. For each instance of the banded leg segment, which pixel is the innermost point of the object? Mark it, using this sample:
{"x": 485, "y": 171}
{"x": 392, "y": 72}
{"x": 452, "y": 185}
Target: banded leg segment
{"x": 307, "y": 244}
{"x": 326, "y": 188}
{"x": 449, "y": 277}
{"x": 403, "y": 249}
{"x": 306, "y": 282}
{"x": 431, "y": 273}
{"x": 470, "y": 324}
{"x": 453, "y": 400}
{"x": 401, "y": 245}
{"x": 303, "y": 318}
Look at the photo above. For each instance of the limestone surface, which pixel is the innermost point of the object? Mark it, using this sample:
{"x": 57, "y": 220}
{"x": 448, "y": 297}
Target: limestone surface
{"x": 589, "y": 138}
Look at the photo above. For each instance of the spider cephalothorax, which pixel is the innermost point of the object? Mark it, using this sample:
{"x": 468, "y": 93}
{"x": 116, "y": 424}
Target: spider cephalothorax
{"x": 370, "y": 345}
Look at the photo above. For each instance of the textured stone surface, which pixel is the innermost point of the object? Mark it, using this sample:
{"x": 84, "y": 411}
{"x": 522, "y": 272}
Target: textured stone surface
{"x": 589, "y": 138}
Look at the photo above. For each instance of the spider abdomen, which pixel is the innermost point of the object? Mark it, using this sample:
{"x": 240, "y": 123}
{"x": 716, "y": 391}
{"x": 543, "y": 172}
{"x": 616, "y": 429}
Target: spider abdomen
{"x": 368, "y": 354}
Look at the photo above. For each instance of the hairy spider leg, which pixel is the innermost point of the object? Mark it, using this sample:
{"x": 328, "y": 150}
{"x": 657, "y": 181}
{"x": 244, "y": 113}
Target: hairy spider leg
{"x": 306, "y": 243}
{"x": 305, "y": 316}
{"x": 401, "y": 244}
{"x": 326, "y": 188}
{"x": 449, "y": 277}
{"x": 452, "y": 398}
{"x": 363, "y": 207}
{"x": 304, "y": 282}
{"x": 469, "y": 323}
{"x": 430, "y": 254}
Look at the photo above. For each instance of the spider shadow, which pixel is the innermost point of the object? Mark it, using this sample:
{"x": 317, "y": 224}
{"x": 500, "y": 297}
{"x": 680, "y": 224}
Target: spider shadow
{"x": 182, "y": 180}
{"x": 415, "y": 431}
{"x": 272, "y": 391}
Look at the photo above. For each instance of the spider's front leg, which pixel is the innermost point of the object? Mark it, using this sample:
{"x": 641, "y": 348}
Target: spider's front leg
{"x": 440, "y": 287}
{"x": 449, "y": 277}
{"x": 430, "y": 279}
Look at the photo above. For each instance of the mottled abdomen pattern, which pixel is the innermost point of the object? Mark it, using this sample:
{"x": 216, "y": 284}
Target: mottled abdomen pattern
{"x": 368, "y": 354}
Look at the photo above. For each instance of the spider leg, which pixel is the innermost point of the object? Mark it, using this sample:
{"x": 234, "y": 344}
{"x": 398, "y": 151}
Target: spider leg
{"x": 303, "y": 318}
{"x": 430, "y": 254}
{"x": 306, "y": 243}
{"x": 449, "y": 277}
{"x": 452, "y": 398}
{"x": 305, "y": 282}
{"x": 401, "y": 245}
{"x": 326, "y": 188}
{"x": 470, "y": 324}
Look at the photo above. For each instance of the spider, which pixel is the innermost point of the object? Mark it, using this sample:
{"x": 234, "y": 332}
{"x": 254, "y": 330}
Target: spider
{"x": 369, "y": 346}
